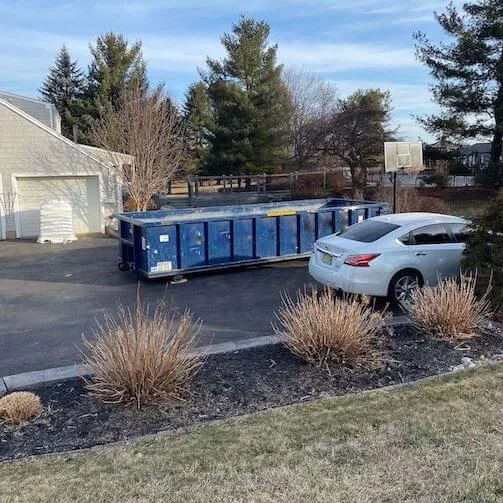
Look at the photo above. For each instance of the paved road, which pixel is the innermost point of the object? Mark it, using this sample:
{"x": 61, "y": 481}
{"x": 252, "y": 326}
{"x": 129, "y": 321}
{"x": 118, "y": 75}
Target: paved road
{"x": 50, "y": 296}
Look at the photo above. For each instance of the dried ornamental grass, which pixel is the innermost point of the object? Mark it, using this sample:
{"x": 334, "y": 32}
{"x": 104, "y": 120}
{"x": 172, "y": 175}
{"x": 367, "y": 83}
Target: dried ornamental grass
{"x": 451, "y": 310}
{"x": 19, "y": 407}
{"x": 142, "y": 359}
{"x": 410, "y": 199}
{"x": 324, "y": 329}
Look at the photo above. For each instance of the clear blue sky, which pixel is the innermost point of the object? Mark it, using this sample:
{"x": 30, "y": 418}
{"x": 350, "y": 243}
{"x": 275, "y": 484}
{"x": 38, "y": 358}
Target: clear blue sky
{"x": 353, "y": 43}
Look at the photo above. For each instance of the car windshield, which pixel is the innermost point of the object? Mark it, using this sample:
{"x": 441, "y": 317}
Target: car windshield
{"x": 368, "y": 231}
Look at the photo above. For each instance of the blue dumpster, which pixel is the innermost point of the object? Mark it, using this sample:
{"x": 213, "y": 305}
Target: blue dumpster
{"x": 174, "y": 242}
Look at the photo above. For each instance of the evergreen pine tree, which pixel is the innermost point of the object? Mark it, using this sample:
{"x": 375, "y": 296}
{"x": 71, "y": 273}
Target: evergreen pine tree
{"x": 114, "y": 68}
{"x": 64, "y": 87}
{"x": 250, "y": 103}
{"x": 469, "y": 74}
{"x": 198, "y": 119}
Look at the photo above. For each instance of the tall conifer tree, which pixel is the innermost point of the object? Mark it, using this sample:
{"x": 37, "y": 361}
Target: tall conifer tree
{"x": 65, "y": 87}
{"x": 469, "y": 75}
{"x": 250, "y": 103}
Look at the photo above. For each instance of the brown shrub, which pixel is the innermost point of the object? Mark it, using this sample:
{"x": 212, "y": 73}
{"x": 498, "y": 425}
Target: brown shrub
{"x": 410, "y": 199}
{"x": 308, "y": 185}
{"x": 325, "y": 329}
{"x": 142, "y": 359}
{"x": 18, "y": 407}
{"x": 451, "y": 310}
{"x": 129, "y": 205}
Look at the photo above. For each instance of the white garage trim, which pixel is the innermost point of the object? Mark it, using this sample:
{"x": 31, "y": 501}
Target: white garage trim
{"x": 86, "y": 174}
{"x": 3, "y": 223}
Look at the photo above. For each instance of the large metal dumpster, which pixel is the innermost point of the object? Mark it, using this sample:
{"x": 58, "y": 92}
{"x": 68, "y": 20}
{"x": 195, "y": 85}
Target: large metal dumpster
{"x": 174, "y": 242}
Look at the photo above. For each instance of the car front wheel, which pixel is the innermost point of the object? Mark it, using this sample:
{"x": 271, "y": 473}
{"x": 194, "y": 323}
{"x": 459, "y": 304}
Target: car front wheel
{"x": 402, "y": 286}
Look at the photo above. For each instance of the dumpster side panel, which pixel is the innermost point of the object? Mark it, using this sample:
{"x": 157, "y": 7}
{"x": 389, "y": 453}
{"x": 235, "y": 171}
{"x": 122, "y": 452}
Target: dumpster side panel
{"x": 243, "y": 239}
{"x": 342, "y": 220}
{"x": 266, "y": 237}
{"x": 357, "y": 216}
{"x": 219, "y": 242}
{"x": 192, "y": 245}
{"x": 325, "y": 223}
{"x": 140, "y": 248}
{"x": 161, "y": 249}
{"x": 307, "y": 229}
{"x": 288, "y": 235}
{"x": 126, "y": 230}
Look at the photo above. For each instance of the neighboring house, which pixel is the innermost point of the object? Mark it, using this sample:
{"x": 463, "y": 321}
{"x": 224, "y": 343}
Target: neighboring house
{"x": 444, "y": 145}
{"x": 37, "y": 163}
{"x": 476, "y": 155}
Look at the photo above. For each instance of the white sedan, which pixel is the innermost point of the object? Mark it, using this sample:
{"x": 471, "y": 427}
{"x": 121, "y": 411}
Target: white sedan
{"x": 391, "y": 255}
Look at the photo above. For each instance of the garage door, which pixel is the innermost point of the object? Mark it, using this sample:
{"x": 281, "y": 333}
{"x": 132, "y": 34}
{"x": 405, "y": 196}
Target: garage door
{"x": 82, "y": 192}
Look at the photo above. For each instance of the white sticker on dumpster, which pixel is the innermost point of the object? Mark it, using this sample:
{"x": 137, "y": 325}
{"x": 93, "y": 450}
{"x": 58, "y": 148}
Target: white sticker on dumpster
{"x": 143, "y": 243}
{"x": 164, "y": 238}
{"x": 360, "y": 218}
{"x": 164, "y": 266}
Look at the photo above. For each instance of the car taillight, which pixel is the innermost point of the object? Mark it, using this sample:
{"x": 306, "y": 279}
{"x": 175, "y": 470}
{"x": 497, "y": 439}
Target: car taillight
{"x": 361, "y": 260}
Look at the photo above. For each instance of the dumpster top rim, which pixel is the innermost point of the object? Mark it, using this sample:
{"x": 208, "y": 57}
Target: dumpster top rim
{"x": 172, "y": 216}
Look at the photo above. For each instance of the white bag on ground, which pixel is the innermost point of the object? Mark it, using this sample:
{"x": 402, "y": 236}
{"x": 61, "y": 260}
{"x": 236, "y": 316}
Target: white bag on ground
{"x": 56, "y": 222}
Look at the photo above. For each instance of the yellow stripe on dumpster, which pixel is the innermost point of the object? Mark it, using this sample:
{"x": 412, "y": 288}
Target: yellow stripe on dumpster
{"x": 281, "y": 213}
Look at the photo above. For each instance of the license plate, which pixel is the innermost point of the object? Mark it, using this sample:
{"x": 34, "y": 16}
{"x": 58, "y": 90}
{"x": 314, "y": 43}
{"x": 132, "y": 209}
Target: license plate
{"x": 326, "y": 258}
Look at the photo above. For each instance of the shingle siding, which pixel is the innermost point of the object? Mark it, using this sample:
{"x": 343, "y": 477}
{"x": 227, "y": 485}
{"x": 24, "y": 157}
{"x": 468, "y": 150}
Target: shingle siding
{"x": 27, "y": 148}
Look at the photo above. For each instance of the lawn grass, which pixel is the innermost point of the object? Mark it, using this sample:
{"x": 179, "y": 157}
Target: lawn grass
{"x": 469, "y": 209}
{"x": 440, "y": 441}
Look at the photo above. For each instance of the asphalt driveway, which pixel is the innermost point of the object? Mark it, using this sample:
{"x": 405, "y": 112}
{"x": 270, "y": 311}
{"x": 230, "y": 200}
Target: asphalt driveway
{"x": 50, "y": 296}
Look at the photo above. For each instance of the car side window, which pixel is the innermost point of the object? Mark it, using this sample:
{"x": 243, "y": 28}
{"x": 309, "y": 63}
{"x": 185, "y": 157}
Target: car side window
{"x": 406, "y": 239}
{"x": 460, "y": 231}
{"x": 431, "y": 234}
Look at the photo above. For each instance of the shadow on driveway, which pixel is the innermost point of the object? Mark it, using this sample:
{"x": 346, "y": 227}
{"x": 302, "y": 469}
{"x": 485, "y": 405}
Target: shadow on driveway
{"x": 50, "y": 296}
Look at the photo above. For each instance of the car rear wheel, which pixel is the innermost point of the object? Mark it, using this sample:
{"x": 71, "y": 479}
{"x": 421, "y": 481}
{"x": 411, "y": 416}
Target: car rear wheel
{"x": 402, "y": 286}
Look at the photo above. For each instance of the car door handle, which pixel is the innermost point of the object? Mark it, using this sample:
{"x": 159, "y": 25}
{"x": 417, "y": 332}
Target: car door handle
{"x": 419, "y": 254}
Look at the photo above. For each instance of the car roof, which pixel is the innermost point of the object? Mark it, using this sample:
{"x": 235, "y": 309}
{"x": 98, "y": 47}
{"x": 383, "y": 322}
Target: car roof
{"x": 403, "y": 219}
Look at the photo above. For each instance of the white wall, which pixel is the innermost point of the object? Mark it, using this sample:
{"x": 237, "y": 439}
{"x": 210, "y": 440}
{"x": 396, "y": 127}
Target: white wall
{"x": 27, "y": 149}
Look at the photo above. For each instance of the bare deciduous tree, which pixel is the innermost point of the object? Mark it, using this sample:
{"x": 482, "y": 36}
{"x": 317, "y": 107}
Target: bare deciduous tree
{"x": 148, "y": 127}
{"x": 313, "y": 100}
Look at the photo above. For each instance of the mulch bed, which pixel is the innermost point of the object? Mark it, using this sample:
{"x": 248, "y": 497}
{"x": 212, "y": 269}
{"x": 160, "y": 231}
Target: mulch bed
{"x": 229, "y": 385}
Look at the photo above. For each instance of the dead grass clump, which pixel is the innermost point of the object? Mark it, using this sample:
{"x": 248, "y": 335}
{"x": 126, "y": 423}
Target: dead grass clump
{"x": 140, "y": 358}
{"x": 324, "y": 329}
{"x": 451, "y": 310}
{"x": 19, "y": 407}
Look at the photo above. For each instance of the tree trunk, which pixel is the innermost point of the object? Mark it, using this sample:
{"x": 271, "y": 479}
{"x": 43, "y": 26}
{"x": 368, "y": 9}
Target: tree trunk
{"x": 494, "y": 170}
{"x": 496, "y": 150}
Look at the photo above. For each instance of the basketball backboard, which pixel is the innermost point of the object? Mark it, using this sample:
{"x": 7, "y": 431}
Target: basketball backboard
{"x": 403, "y": 155}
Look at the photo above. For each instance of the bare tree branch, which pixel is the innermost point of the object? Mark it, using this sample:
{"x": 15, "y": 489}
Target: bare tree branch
{"x": 148, "y": 127}
{"x": 314, "y": 100}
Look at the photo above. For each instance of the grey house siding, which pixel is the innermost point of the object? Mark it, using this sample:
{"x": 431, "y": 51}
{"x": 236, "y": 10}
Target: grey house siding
{"x": 43, "y": 112}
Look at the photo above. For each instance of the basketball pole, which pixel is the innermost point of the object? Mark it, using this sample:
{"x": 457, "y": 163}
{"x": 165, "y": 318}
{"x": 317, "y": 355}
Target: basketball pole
{"x": 394, "y": 191}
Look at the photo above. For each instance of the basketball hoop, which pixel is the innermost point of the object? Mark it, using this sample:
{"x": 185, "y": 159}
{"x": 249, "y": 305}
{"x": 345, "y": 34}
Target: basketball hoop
{"x": 404, "y": 157}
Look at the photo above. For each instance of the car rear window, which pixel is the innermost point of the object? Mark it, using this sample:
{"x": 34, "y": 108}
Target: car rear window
{"x": 368, "y": 231}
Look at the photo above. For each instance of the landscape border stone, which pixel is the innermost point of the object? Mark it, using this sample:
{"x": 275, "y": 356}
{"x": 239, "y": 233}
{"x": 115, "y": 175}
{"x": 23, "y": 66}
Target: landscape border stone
{"x": 3, "y": 388}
